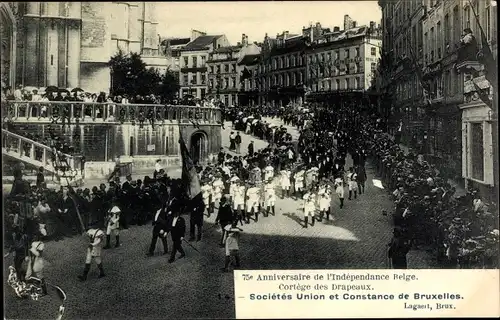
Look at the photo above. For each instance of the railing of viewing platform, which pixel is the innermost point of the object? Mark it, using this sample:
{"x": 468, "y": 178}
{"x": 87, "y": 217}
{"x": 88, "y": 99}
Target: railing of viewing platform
{"x": 46, "y": 156}
{"x": 105, "y": 112}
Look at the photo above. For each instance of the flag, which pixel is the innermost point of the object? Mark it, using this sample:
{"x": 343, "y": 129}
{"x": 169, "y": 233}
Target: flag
{"x": 189, "y": 175}
{"x": 482, "y": 94}
{"x": 487, "y": 55}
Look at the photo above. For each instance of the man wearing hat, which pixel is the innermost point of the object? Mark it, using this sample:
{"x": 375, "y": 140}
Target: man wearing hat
{"x": 177, "y": 228}
{"x": 158, "y": 167}
{"x": 94, "y": 250}
{"x": 252, "y": 205}
{"x": 224, "y": 216}
{"x": 196, "y": 208}
{"x": 285, "y": 182}
{"x": 206, "y": 191}
{"x": 113, "y": 225}
{"x": 217, "y": 189}
{"x": 160, "y": 229}
{"x": 398, "y": 249}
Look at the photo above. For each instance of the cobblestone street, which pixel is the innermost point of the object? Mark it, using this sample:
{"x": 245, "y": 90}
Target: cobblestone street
{"x": 193, "y": 287}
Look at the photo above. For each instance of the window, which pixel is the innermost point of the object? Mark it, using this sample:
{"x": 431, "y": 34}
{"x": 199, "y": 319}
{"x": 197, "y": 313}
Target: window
{"x": 226, "y": 83}
{"x": 194, "y": 78}
{"x": 51, "y": 59}
{"x": 203, "y": 92}
{"x": 203, "y": 78}
{"x": 346, "y": 81}
{"x": 477, "y": 151}
{"x": 195, "y": 61}
{"x": 233, "y": 67}
{"x": 328, "y": 56}
{"x": 373, "y": 67}
{"x": 233, "y": 80}
{"x": 357, "y": 52}
{"x": 186, "y": 79}
{"x": 186, "y": 62}
{"x": 203, "y": 60}
{"x": 438, "y": 40}
{"x": 293, "y": 61}
{"x": 347, "y": 53}
{"x": 358, "y": 83}
{"x": 446, "y": 30}
{"x": 487, "y": 17}
{"x": 218, "y": 68}
{"x": 336, "y": 55}
{"x": 337, "y": 84}
{"x": 457, "y": 28}
{"x": 373, "y": 51}
{"x": 467, "y": 17}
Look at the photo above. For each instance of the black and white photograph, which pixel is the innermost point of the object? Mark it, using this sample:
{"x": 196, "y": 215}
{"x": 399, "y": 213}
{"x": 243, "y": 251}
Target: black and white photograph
{"x": 150, "y": 149}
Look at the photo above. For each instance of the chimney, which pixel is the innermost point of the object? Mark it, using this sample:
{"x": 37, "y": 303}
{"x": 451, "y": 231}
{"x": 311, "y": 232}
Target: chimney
{"x": 244, "y": 39}
{"x": 354, "y": 24}
{"x": 372, "y": 26}
{"x": 286, "y": 33}
{"x": 336, "y": 29}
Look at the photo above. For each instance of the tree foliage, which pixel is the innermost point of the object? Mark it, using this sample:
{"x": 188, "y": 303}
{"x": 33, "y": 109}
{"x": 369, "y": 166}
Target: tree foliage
{"x": 130, "y": 76}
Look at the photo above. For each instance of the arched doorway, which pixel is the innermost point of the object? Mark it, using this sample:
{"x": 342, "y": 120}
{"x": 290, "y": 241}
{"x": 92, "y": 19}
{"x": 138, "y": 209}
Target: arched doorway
{"x": 199, "y": 147}
{"x": 8, "y": 47}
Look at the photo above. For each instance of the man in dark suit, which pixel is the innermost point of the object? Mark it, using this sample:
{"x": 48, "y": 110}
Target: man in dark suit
{"x": 196, "y": 208}
{"x": 160, "y": 229}
{"x": 177, "y": 227}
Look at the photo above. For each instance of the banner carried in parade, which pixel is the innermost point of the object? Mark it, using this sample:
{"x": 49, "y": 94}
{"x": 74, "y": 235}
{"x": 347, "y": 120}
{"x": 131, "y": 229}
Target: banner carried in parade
{"x": 189, "y": 175}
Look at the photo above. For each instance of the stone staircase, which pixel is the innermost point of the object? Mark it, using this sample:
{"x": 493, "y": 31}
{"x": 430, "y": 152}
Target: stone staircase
{"x": 35, "y": 154}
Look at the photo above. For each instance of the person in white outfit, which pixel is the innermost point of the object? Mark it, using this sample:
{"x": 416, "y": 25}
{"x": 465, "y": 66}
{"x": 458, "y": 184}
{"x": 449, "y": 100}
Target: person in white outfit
{"x": 299, "y": 183}
{"x": 113, "y": 226}
{"x": 324, "y": 201}
{"x": 94, "y": 250}
{"x": 270, "y": 197}
{"x": 206, "y": 192}
{"x": 268, "y": 173}
{"x": 285, "y": 182}
{"x": 36, "y": 263}
{"x": 352, "y": 178}
{"x": 339, "y": 190}
{"x": 252, "y": 206}
{"x": 309, "y": 207}
{"x": 217, "y": 188}
{"x": 239, "y": 200}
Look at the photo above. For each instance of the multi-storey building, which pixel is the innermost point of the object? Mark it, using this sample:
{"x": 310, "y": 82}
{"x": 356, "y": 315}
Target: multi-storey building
{"x": 479, "y": 129}
{"x": 281, "y": 70}
{"x": 249, "y": 92}
{"x": 442, "y": 27}
{"x": 69, "y": 44}
{"x": 403, "y": 45}
{"x": 193, "y": 60}
{"x": 343, "y": 61}
{"x": 224, "y": 73}
{"x": 172, "y": 49}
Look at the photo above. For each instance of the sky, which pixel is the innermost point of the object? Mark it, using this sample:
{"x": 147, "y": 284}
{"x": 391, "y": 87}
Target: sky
{"x": 255, "y": 18}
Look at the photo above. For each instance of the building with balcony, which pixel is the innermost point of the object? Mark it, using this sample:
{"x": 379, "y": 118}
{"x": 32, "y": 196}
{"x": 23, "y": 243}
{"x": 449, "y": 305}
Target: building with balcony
{"x": 479, "y": 125}
{"x": 403, "y": 52}
{"x": 281, "y": 70}
{"x": 193, "y": 74}
{"x": 224, "y": 71}
{"x": 442, "y": 27}
{"x": 343, "y": 61}
{"x": 249, "y": 89}
{"x": 69, "y": 44}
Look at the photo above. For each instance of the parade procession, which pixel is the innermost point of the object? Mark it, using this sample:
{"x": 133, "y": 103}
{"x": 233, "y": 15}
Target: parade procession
{"x": 149, "y": 174}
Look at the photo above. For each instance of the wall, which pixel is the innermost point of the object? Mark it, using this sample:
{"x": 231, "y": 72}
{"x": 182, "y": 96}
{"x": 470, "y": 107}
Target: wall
{"x": 98, "y": 142}
{"x": 95, "y": 77}
{"x": 96, "y": 31}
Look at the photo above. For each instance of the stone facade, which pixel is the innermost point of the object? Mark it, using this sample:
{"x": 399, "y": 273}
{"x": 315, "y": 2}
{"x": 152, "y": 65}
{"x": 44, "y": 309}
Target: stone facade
{"x": 68, "y": 44}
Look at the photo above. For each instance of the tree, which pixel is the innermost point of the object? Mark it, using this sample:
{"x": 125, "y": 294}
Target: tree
{"x": 169, "y": 85}
{"x": 130, "y": 76}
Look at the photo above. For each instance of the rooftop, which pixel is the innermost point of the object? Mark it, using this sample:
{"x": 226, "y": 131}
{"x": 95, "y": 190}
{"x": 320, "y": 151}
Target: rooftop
{"x": 228, "y": 49}
{"x": 201, "y": 43}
